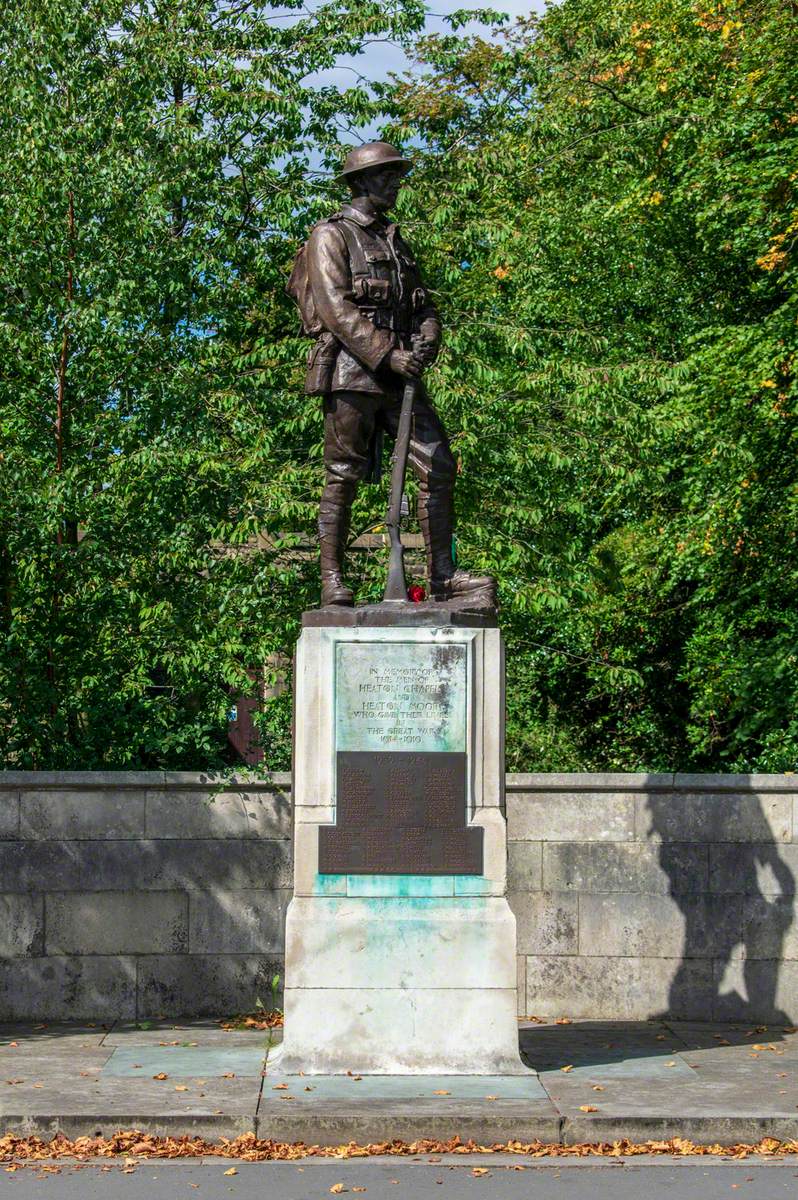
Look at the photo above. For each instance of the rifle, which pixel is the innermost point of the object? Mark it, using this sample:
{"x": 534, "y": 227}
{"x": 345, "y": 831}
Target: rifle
{"x": 396, "y": 585}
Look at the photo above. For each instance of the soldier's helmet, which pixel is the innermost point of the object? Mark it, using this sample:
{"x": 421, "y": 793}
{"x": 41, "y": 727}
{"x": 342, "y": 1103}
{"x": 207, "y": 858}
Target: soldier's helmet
{"x": 371, "y": 155}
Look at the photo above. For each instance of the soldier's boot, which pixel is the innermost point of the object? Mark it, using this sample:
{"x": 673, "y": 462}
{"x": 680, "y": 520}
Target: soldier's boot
{"x": 447, "y": 582}
{"x": 333, "y": 530}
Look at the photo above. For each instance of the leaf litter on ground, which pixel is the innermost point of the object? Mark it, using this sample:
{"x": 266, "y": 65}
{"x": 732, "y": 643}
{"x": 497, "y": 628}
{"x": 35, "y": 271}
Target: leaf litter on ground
{"x": 19, "y": 1151}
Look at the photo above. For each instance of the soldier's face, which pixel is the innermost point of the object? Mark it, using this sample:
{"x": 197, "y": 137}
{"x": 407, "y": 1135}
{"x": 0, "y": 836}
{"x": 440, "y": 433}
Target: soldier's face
{"x": 382, "y": 186}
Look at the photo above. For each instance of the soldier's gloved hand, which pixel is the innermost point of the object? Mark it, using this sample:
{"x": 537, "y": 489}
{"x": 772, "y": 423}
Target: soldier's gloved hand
{"x": 426, "y": 349}
{"x": 407, "y": 363}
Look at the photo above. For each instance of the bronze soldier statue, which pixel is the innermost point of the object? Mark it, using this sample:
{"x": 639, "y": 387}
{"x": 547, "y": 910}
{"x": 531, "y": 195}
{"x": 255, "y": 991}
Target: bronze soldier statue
{"x": 362, "y": 298}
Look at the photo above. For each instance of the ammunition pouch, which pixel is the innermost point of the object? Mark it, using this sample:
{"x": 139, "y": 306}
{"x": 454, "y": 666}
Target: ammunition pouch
{"x": 322, "y": 358}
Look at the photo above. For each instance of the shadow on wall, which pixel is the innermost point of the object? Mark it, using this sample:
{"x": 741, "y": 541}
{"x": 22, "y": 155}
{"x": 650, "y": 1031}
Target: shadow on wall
{"x": 736, "y": 929}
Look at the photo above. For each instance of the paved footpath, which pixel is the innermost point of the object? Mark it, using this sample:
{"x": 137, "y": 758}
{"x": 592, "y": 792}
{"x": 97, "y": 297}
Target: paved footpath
{"x": 595, "y": 1081}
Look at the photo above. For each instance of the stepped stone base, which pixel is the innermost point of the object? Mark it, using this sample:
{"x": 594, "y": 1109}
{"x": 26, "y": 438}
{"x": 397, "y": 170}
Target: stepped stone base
{"x": 401, "y": 986}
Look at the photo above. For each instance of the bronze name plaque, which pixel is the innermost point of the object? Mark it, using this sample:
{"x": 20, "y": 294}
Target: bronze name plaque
{"x": 400, "y": 813}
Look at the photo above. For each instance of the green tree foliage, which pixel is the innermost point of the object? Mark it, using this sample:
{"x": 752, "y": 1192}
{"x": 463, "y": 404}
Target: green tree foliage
{"x": 159, "y": 164}
{"x": 609, "y": 210}
{"x": 604, "y": 204}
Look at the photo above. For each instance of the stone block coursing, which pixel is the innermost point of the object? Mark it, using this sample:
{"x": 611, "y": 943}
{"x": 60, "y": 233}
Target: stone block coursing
{"x": 204, "y": 985}
{"x": 655, "y": 926}
{"x": 625, "y": 867}
{"x": 753, "y": 868}
{"x": 38, "y": 866}
{"x": 116, "y": 922}
{"x": 602, "y": 988}
{"x": 208, "y": 814}
{"x": 65, "y": 988}
{"x": 81, "y": 815}
{"x": 547, "y": 922}
{"x": 21, "y": 925}
{"x": 9, "y": 814}
{"x": 189, "y": 865}
{"x": 571, "y": 816}
{"x": 715, "y": 817}
{"x": 127, "y": 895}
{"x": 251, "y": 921}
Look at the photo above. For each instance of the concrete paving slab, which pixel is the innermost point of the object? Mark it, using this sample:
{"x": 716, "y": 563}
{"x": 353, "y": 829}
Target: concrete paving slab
{"x": 705, "y": 1033}
{"x": 596, "y": 1042}
{"x": 61, "y": 1033}
{"x": 390, "y": 1088}
{"x": 203, "y": 1032}
{"x": 653, "y": 1069}
{"x": 331, "y": 1123}
{"x": 185, "y": 1061}
{"x": 219, "y": 1107}
{"x": 59, "y": 1068}
{"x": 704, "y": 1097}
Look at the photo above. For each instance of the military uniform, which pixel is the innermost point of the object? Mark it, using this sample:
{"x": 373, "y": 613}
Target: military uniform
{"x": 364, "y": 298}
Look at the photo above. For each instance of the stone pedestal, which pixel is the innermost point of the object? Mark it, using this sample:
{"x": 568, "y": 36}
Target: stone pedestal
{"x": 400, "y": 943}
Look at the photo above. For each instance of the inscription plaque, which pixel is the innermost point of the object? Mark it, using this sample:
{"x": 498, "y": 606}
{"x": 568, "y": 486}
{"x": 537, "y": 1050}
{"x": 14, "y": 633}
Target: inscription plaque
{"x": 400, "y": 813}
{"x": 400, "y": 696}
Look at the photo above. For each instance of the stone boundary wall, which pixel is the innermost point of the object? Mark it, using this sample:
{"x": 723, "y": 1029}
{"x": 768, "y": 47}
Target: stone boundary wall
{"x": 639, "y": 895}
{"x": 132, "y": 895}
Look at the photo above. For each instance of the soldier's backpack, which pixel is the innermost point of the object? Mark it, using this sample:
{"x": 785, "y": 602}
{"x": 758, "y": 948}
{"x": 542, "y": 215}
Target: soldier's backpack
{"x": 323, "y": 354}
{"x": 298, "y": 288}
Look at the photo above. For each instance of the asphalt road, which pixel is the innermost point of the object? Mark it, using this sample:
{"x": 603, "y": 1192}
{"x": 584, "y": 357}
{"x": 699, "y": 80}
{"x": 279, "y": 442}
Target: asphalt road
{"x": 396, "y": 1180}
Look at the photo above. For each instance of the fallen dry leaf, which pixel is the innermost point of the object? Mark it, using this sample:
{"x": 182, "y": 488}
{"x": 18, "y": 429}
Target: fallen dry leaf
{"x": 180, "y": 1087}
{"x": 479, "y": 1171}
{"x": 280, "y": 1087}
{"x": 257, "y": 1020}
{"x": 670, "y": 1064}
{"x": 563, "y": 1021}
{"x": 491, "y": 1097}
{"x": 597, "y": 1087}
{"x": 441, "y": 1092}
{"x": 587, "y": 1108}
{"x": 570, "y": 1067}
{"x": 161, "y": 1075}
{"x": 231, "y": 1171}
{"x": 36, "y": 1151}
{"x": 229, "y": 1075}
{"x": 358, "y": 1189}
{"x": 337, "y": 1188}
